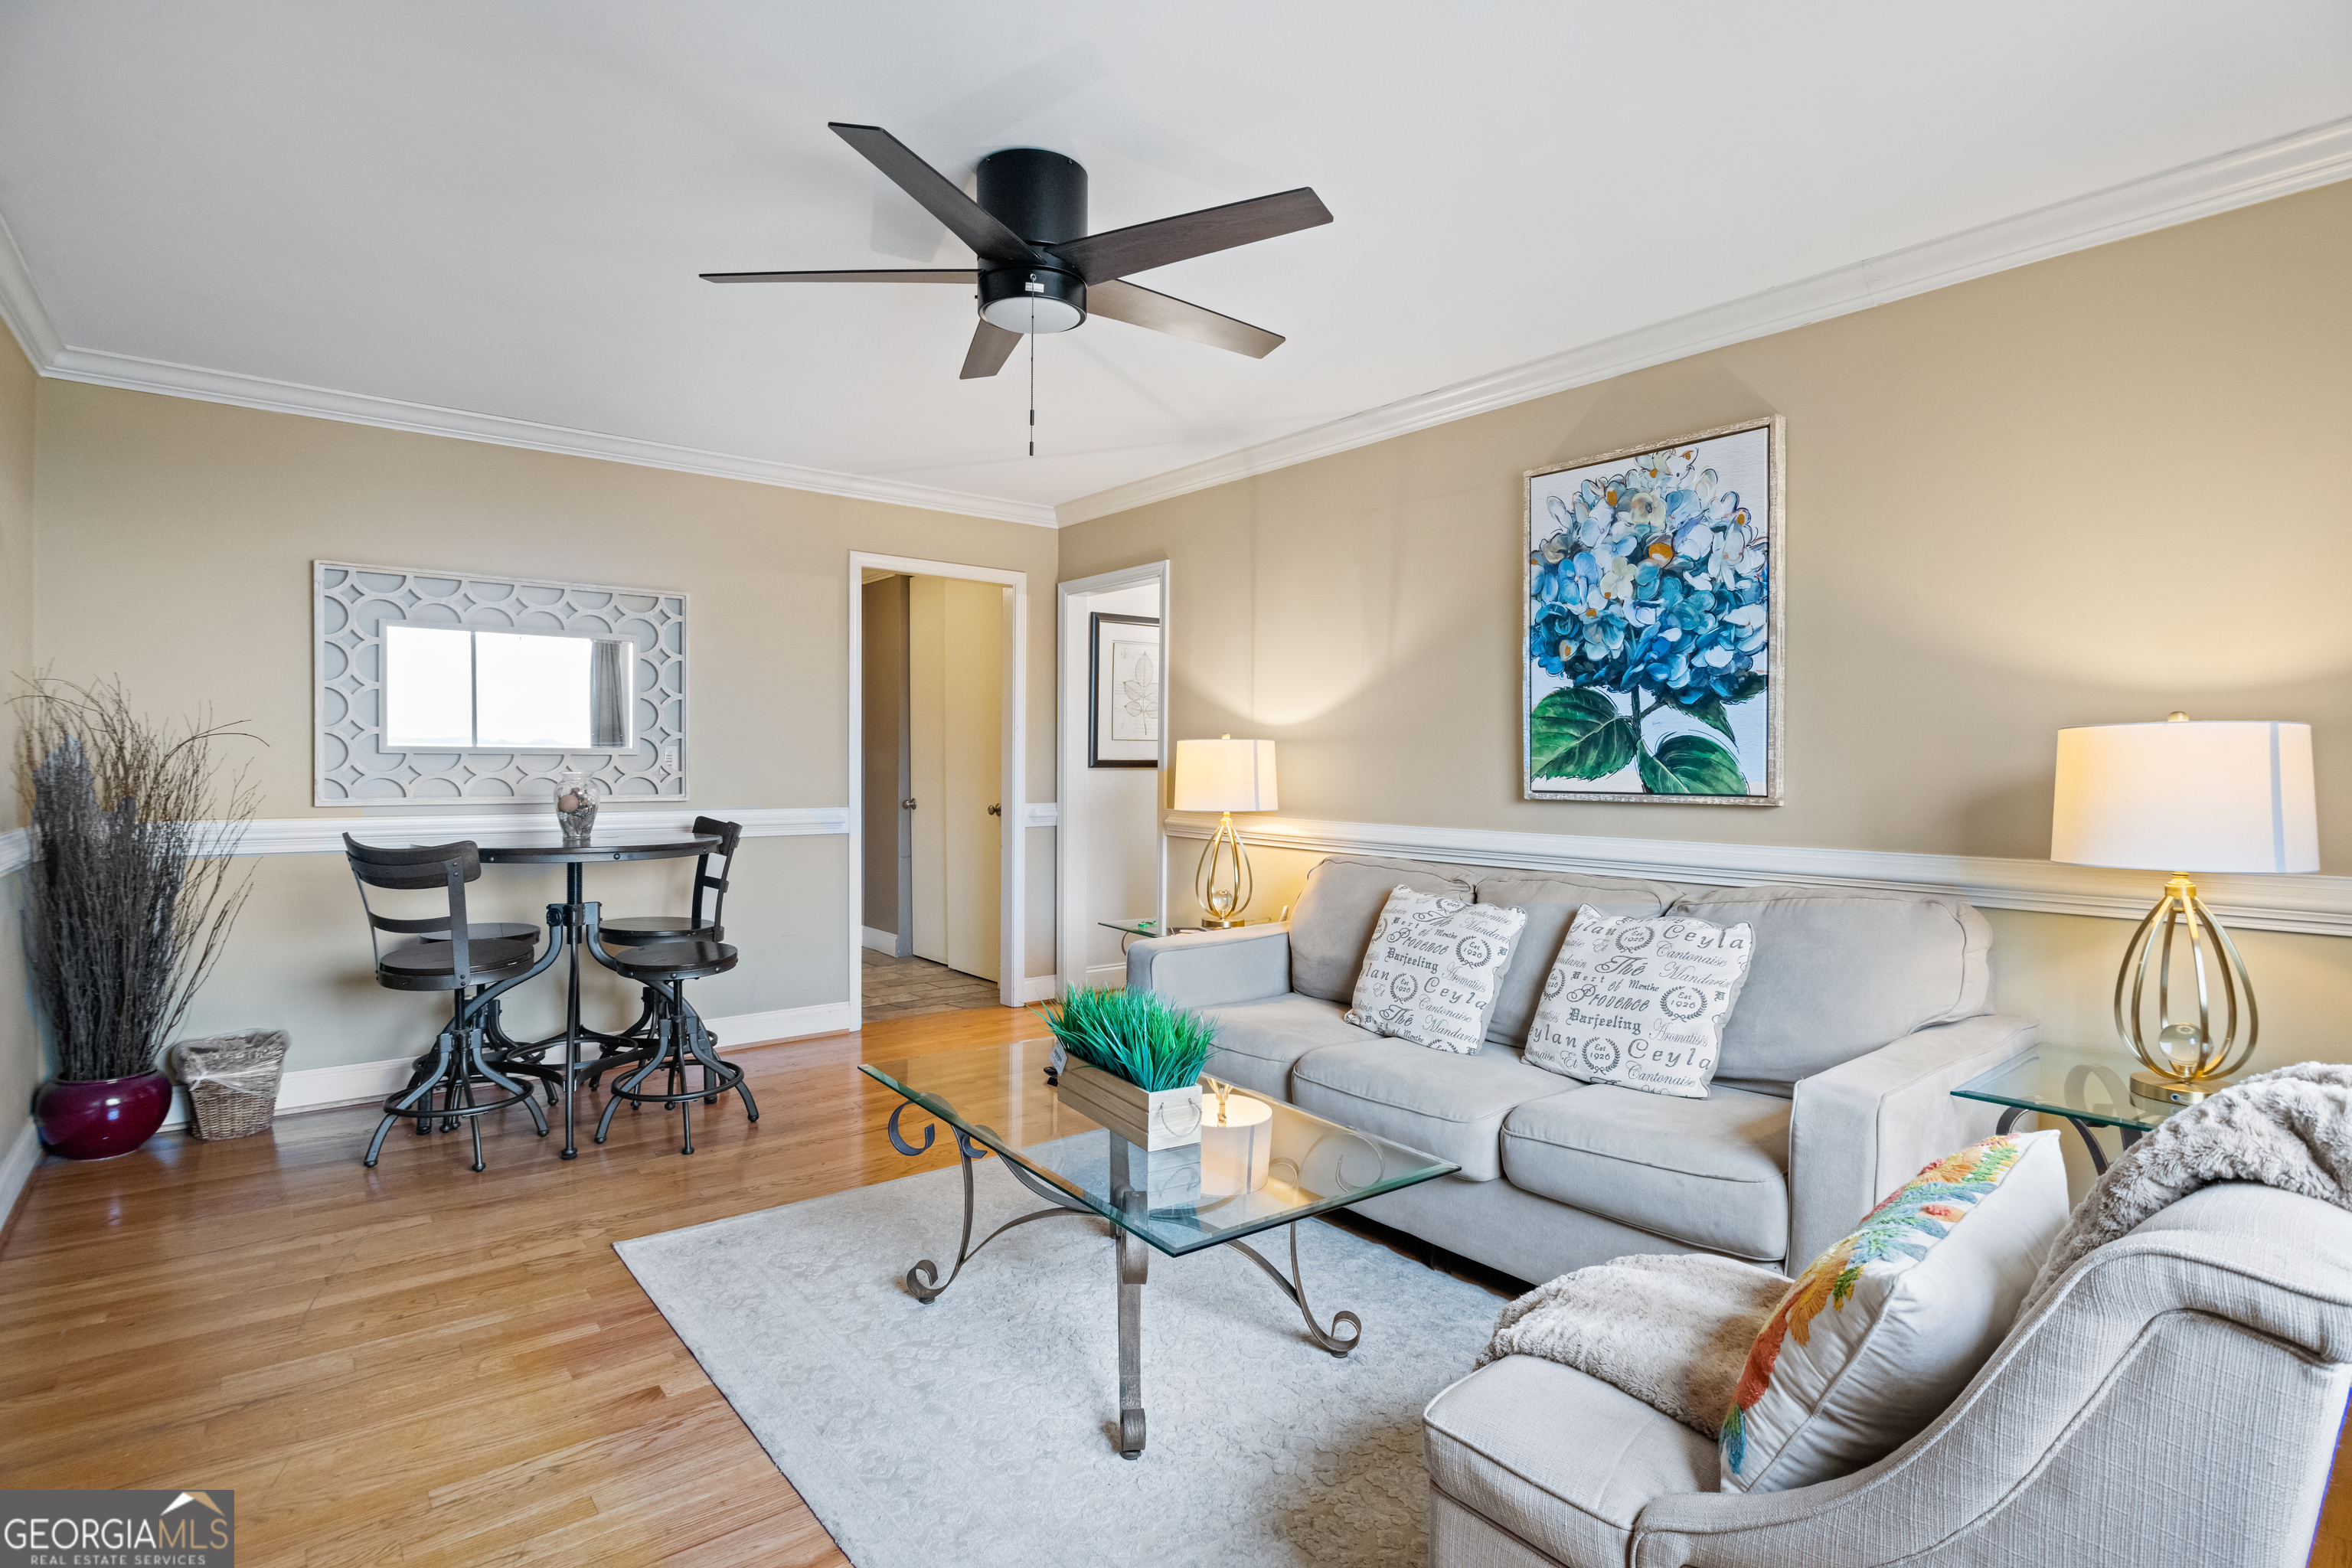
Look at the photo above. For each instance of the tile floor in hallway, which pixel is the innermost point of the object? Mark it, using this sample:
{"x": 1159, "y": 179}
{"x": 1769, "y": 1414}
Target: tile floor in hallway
{"x": 902, "y": 987}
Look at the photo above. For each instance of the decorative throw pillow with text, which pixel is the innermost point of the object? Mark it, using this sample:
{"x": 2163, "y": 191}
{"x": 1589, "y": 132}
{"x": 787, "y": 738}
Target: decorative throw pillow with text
{"x": 1431, "y": 973}
{"x": 1640, "y": 1002}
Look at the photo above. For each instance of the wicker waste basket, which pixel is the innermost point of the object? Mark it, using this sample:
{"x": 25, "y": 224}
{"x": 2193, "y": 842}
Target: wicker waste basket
{"x": 232, "y": 1080}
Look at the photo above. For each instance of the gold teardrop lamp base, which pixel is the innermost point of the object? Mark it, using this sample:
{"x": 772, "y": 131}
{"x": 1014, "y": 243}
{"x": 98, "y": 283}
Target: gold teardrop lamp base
{"x": 2157, "y": 1090}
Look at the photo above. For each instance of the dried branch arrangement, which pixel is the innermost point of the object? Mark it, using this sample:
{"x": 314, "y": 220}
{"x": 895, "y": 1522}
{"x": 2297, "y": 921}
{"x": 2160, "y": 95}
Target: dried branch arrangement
{"x": 131, "y": 891}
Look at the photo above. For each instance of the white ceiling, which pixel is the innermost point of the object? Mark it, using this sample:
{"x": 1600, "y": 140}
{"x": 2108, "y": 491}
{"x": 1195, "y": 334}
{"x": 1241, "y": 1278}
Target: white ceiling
{"x": 500, "y": 208}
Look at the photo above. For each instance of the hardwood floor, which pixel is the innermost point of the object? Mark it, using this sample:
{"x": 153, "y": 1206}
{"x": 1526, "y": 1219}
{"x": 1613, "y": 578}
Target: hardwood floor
{"x": 425, "y": 1366}
{"x": 908, "y": 987}
{"x": 419, "y": 1363}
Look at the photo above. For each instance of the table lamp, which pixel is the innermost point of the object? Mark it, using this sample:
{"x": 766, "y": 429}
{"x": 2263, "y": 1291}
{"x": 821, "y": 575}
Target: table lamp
{"x": 2181, "y": 796}
{"x": 1225, "y": 776}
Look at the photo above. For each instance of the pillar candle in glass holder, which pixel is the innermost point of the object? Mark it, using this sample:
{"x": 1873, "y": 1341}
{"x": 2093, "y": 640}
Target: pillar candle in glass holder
{"x": 1235, "y": 1149}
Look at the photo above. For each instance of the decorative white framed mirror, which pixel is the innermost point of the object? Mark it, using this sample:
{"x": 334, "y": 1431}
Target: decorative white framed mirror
{"x": 438, "y": 687}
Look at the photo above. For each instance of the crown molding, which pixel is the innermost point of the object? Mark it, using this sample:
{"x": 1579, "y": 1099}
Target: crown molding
{"x": 138, "y": 374}
{"x": 2301, "y": 161}
{"x": 36, "y": 334}
{"x": 2320, "y": 155}
{"x": 21, "y": 307}
{"x": 2318, "y": 906}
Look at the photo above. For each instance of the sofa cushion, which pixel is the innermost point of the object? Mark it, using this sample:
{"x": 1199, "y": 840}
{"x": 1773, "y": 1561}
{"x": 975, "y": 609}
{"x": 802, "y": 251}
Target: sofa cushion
{"x": 1709, "y": 1172}
{"x": 1640, "y": 1002}
{"x": 1841, "y": 971}
{"x": 1550, "y": 903}
{"x": 1332, "y": 922}
{"x": 1446, "y": 1105}
{"x": 1559, "y": 1459}
{"x": 1257, "y": 1041}
{"x": 1429, "y": 974}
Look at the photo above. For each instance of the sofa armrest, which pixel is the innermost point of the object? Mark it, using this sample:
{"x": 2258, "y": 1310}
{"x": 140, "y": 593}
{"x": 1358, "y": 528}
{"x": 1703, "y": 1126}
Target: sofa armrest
{"x": 1210, "y": 968}
{"x": 1866, "y": 1126}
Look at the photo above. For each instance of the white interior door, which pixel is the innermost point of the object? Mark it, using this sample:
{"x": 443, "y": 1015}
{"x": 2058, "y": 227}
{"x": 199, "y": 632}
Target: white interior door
{"x": 974, "y": 683}
{"x": 926, "y": 707}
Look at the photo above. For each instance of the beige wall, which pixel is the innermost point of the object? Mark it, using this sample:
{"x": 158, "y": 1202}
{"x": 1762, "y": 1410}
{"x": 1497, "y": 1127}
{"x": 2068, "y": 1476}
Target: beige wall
{"x": 20, "y": 1046}
{"x": 176, "y": 539}
{"x": 2087, "y": 491}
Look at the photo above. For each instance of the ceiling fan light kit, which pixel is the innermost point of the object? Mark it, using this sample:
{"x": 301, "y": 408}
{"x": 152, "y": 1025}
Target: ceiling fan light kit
{"x": 1039, "y": 271}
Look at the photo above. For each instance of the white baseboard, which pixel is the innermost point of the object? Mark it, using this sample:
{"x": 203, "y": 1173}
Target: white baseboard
{"x": 783, "y": 1024}
{"x": 357, "y": 1083}
{"x": 1041, "y": 988}
{"x": 24, "y": 1152}
{"x": 321, "y": 1089}
{"x": 1111, "y": 974}
{"x": 879, "y": 940}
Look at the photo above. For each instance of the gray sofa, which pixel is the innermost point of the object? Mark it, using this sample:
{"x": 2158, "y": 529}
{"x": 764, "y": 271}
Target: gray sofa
{"x": 1861, "y": 1012}
{"x": 2174, "y": 1399}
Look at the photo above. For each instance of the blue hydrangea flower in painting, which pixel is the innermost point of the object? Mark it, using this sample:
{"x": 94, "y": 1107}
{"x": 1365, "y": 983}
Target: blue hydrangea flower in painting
{"x": 1652, "y": 584}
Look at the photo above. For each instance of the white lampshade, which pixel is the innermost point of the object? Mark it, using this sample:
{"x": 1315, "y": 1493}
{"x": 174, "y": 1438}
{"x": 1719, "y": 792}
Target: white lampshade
{"x": 2183, "y": 796}
{"x": 1225, "y": 776}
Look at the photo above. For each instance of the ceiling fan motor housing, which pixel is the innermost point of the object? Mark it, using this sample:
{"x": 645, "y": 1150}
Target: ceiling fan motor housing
{"x": 1042, "y": 198}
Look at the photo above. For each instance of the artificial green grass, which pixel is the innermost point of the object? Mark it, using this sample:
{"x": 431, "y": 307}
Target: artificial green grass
{"x": 1133, "y": 1035}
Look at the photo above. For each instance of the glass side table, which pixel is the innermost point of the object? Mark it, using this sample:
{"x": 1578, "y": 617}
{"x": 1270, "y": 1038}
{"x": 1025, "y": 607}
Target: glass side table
{"x": 1134, "y": 926}
{"x": 2090, "y": 1089}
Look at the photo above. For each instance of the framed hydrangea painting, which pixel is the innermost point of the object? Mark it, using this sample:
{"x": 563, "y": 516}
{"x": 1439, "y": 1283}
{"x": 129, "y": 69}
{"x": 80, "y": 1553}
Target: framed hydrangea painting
{"x": 1653, "y": 623}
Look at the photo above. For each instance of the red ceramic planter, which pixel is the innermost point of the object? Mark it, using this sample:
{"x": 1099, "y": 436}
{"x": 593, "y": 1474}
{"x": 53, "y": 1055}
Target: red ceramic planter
{"x": 101, "y": 1118}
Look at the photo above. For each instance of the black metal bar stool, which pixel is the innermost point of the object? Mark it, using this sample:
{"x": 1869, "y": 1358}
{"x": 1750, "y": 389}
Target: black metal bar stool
{"x": 636, "y": 931}
{"x": 681, "y": 1040}
{"x": 455, "y": 956}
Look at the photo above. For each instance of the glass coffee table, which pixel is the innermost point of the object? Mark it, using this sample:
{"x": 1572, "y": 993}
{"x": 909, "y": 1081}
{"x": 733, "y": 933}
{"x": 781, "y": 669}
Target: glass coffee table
{"x": 2089, "y": 1089}
{"x": 1152, "y": 1200}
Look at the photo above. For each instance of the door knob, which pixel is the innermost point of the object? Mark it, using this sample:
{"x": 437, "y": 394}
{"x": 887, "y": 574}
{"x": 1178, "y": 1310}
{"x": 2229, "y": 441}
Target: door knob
{"x": 996, "y": 811}
{"x": 907, "y": 804}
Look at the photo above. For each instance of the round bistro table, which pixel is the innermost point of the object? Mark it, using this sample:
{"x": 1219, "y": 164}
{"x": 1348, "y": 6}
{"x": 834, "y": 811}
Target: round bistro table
{"x": 566, "y": 925}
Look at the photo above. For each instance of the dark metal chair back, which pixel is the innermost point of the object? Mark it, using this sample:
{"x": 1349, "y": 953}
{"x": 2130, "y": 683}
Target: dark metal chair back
{"x": 445, "y": 866}
{"x": 729, "y": 835}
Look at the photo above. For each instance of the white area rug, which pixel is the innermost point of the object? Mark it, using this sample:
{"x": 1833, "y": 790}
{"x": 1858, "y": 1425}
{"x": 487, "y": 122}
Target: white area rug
{"x": 979, "y": 1429}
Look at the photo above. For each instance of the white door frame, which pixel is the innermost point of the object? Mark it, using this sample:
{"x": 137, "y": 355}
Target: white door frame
{"x": 1012, "y": 952}
{"x": 1071, "y": 926}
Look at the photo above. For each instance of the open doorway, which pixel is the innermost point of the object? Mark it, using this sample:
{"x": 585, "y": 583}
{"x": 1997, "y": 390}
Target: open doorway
{"x": 1112, "y": 749}
{"x": 932, "y": 857}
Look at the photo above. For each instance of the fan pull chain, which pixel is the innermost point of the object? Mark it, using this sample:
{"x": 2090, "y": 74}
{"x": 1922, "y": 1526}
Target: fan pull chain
{"x": 1033, "y": 375}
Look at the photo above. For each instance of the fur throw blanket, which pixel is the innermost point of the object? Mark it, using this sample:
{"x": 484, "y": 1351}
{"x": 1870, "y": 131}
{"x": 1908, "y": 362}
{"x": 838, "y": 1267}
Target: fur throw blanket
{"x": 1672, "y": 1330}
{"x": 2291, "y": 1129}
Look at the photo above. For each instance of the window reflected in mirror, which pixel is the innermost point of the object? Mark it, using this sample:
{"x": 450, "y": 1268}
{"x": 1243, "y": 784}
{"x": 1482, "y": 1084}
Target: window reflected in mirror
{"x": 449, "y": 688}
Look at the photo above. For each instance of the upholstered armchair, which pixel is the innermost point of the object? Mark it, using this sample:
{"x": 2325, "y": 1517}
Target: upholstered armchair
{"x": 2175, "y": 1399}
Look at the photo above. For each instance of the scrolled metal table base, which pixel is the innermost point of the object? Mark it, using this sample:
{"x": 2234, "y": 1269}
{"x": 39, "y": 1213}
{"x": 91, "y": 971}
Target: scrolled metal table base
{"x": 1134, "y": 1260}
{"x": 2128, "y": 1135}
{"x": 1295, "y": 1288}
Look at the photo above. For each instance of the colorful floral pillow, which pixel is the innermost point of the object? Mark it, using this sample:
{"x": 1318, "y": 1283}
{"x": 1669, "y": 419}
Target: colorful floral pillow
{"x": 1431, "y": 970}
{"x": 1640, "y": 1002}
{"x": 1883, "y": 1329}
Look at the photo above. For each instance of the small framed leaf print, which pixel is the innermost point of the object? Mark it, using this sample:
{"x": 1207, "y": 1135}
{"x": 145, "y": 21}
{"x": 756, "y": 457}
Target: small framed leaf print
{"x": 1123, "y": 662}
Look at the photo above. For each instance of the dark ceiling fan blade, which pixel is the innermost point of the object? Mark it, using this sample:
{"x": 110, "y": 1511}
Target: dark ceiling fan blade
{"x": 991, "y": 345}
{"x": 889, "y": 274}
{"x": 1141, "y": 307}
{"x": 1099, "y": 257}
{"x": 939, "y": 196}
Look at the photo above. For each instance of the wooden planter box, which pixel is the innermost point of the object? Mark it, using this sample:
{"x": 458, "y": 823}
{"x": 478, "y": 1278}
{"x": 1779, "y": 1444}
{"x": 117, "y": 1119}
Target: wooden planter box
{"x": 1162, "y": 1118}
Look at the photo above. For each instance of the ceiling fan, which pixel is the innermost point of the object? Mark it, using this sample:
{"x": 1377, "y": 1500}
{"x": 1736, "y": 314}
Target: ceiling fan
{"x": 1040, "y": 271}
